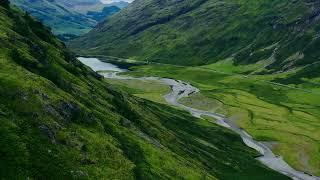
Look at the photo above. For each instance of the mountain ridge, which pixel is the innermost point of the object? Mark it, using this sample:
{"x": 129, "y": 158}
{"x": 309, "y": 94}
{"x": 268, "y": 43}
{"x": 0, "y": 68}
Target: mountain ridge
{"x": 207, "y": 31}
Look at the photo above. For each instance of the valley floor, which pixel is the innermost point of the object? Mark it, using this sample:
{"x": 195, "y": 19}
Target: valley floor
{"x": 286, "y": 117}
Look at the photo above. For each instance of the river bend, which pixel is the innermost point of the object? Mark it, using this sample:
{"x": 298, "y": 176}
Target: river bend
{"x": 180, "y": 89}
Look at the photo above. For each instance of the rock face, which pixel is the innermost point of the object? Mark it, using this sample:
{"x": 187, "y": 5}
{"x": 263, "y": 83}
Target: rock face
{"x": 206, "y": 31}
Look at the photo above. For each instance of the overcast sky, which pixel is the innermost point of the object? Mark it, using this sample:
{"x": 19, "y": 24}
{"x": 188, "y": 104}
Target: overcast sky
{"x": 111, "y": 1}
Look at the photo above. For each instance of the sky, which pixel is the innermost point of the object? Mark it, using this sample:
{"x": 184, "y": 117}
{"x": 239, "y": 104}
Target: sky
{"x": 111, "y": 1}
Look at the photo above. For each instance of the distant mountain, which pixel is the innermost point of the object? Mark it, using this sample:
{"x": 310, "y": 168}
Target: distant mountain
{"x": 82, "y": 6}
{"x": 68, "y": 19}
{"x": 74, "y": 3}
{"x": 106, "y": 11}
{"x": 62, "y": 20}
{"x": 283, "y": 34}
{"x": 119, "y": 4}
{"x": 61, "y": 120}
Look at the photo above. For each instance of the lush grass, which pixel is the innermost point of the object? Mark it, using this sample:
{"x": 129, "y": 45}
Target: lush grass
{"x": 60, "y": 120}
{"x": 147, "y": 89}
{"x": 199, "y": 101}
{"x": 269, "y": 112}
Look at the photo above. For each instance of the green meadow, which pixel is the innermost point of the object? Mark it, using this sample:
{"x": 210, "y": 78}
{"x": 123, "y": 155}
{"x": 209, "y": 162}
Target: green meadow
{"x": 284, "y": 115}
{"x": 147, "y": 89}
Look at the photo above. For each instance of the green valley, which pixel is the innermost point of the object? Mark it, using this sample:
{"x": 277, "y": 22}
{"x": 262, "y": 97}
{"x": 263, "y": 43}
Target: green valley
{"x": 256, "y": 62}
{"x": 61, "y": 120}
{"x": 271, "y": 112}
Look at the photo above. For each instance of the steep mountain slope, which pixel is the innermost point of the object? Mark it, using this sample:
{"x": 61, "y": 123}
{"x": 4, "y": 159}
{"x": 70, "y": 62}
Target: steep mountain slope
{"x": 282, "y": 33}
{"x": 66, "y": 18}
{"x": 60, "y": 120}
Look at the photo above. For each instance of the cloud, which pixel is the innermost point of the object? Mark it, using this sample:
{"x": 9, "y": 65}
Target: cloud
{"x": 111, "y": 1}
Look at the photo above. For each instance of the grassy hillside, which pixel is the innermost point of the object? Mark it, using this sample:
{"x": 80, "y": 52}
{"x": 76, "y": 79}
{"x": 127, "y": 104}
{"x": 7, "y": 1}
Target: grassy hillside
{"x": 60, "y": 120}
{"x": 281, "y": 33}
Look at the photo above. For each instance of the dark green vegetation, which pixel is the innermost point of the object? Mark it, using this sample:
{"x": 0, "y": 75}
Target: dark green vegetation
{"x": 68, "y": 19}
{"x": 5, "y": 3}
{"x": 281, "y": 33}
{"x": 60, "y": 120}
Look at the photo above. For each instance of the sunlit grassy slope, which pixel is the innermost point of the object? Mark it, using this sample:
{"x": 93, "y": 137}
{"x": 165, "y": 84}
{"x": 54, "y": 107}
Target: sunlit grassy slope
{"x": 60, "y": 120}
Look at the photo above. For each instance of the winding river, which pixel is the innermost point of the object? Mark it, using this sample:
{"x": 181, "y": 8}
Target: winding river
{"x": 180, "y": 89}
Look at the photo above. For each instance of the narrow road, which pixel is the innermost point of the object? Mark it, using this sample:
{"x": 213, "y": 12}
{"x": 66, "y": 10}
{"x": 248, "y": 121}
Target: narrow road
{"x": 180, "y": 89}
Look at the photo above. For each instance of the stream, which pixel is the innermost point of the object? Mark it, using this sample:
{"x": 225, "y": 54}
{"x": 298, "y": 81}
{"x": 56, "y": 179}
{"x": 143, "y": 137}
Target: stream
{"x": 180, "y": 89}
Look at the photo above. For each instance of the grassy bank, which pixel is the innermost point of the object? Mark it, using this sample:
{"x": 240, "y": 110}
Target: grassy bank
{"x": 147, "y": 89}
